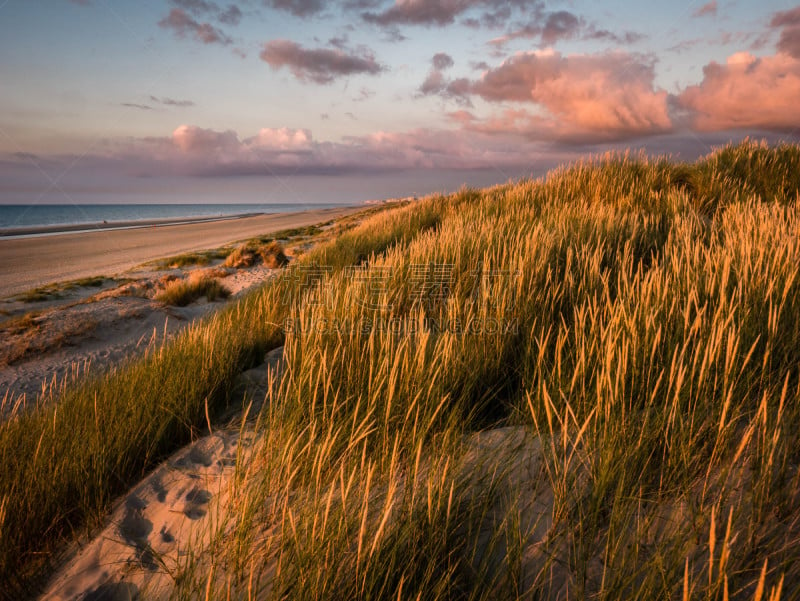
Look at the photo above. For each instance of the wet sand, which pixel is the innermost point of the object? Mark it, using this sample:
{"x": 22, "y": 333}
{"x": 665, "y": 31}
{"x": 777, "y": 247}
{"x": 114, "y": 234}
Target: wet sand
{"x": 34, "y": 261}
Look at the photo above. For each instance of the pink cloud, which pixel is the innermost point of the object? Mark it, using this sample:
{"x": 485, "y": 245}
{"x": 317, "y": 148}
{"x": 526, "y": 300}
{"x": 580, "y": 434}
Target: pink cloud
{"x": 193, "y": 150}
{"x": 184, "y": 25}
{"x": 284, "y": 138}
{"x": 707, "y": 10}
{"x": 192, "y": 139}
{"x": 746, "y": 92}
{"x": 789, "y": 41}
{"x": 581, "y": 97}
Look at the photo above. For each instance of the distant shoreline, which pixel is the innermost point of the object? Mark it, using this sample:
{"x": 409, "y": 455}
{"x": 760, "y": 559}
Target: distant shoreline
{"x": 33, "y": 260}
{"x": 64, "y": 228}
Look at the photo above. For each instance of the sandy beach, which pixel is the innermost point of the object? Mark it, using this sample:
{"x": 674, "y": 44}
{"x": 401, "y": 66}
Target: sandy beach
{"x": 27, "y": 263}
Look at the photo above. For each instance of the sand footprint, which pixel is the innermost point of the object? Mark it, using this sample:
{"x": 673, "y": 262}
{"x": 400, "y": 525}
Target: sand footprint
{"x": 199, "y": 456}
{"x": 196, "y": 501}
{"x": 135, "y": 528}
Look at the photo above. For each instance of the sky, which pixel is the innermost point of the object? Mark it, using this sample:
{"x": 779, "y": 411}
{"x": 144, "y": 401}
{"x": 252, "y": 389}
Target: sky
{"x": 308, "y": 101}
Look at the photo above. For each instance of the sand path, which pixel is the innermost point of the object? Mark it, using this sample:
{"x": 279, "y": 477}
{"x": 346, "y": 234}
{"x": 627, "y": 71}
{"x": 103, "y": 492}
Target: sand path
{"x": 178, "y": 509}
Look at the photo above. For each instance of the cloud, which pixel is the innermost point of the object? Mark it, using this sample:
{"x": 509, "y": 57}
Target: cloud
{"x": 363, "y": 95}
{"x": 789, "y": 41}
{"x": 707, "y": 10}
{"x": 786, "y": 18}
{"x": 444, "y": 12}
{"x": 197, "y": 7}
{"x": 437, "y": 84}
{"x": 172, "y": 102}
{"x": 196, "y": 151}
{"x": 319, "y": 65}
{"x": 341, "y": 42}
{"x": 442, "y": 61}
{"x": 551, "y": 27}
{"x": 560, "y": 25}
{"x": 745, "y": 92}
{"x": 299, "y": 8}
{"x": 231, "y": 15}
{"x": 193, "y": 139}
{"x": 723, "y": 38}
{"x": 133, "y": 105}
{"x": 626, "y": 38}
{"x": 281, "y": 139}
{"x": 184, "y": 25}
{"x": 157, "y": 100}
{"x": 576, "y": 97}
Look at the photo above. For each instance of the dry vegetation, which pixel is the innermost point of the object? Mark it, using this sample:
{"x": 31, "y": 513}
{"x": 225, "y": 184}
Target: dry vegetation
{"x": 191, "y": 259}
{"x": 579, "y": 387}
{"x": 269, "y": 254}
{"x": 181, "y": 292}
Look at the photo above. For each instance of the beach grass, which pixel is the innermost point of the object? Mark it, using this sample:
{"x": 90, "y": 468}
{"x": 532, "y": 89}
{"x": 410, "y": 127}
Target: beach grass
{"x": 182, "y": 292}
{"x": 583, "y": 386}
{"x": 251, "y": 253}
{"x": 295, "y": 232}
{"x": 192, "y": 259}
{"x": 93, "y": 438}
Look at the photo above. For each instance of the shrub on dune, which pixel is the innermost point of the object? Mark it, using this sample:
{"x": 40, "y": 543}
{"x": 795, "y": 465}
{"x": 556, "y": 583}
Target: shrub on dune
{"x": 184, "y": 292}
{"x": 270, "y": 254}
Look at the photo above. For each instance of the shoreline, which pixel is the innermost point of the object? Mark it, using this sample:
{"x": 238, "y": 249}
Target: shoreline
{"x": 29, "y": 231}
{"x": 28, "y": 262}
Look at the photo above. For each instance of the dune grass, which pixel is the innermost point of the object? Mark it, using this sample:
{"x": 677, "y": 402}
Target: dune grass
{"x": 251, "y": 253}
{"x": 295, "y": 232}
{"x": 191, "y": 259}
{"x": 62, "y": 464}
{"x": 584, "y": 386}
{"x": 182, "y": 292}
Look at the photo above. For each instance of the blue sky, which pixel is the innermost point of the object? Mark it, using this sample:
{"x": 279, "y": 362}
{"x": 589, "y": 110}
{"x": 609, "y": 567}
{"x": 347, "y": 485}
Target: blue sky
{"x": 309, "y": 101}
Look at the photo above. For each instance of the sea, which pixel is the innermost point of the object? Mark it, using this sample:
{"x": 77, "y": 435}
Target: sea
{"x": 51, "y": 216}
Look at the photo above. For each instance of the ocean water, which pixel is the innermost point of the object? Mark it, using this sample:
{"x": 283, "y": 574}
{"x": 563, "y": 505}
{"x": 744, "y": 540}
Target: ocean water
{"x": 24, "y": 216}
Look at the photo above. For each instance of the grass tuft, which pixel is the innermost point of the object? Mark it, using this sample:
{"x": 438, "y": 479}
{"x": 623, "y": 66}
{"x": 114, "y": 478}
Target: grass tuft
{"x": 184, "y": 292}
{"x": 247, "y": 255}
{"x": 191, "y": 259}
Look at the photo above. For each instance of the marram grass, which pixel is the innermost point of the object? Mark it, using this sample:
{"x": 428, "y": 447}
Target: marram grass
{"x": 91, "y": 439}
{"x": 584, "y": 386}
